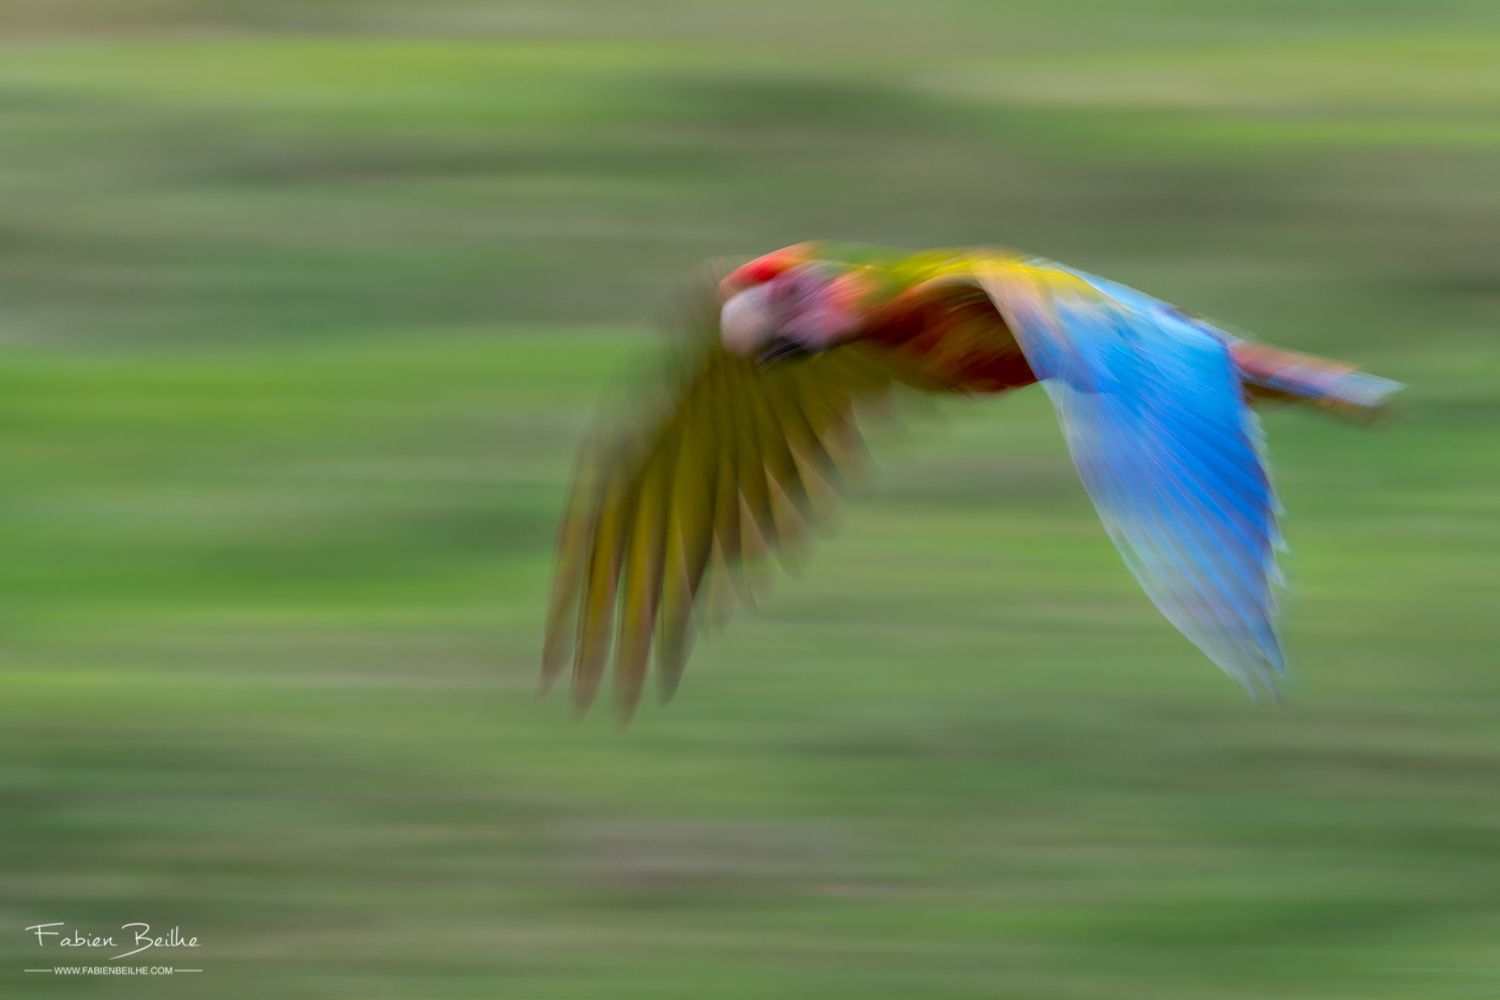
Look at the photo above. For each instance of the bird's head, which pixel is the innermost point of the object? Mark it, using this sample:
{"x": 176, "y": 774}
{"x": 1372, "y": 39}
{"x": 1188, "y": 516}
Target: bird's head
{"x": 781, "y": 307}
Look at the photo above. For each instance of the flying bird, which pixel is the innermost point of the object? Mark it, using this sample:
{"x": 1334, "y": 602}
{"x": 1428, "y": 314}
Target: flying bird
{"x": 754, "y": 428}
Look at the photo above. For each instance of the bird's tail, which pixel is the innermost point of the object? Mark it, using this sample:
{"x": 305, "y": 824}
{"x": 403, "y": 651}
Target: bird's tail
{"x": 1341, "y": 389}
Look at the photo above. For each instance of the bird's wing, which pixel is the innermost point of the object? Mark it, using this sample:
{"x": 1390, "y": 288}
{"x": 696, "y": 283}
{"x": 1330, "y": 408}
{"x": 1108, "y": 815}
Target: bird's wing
{"x": 1155, "y": 418}
{"x": 730, "y": 462}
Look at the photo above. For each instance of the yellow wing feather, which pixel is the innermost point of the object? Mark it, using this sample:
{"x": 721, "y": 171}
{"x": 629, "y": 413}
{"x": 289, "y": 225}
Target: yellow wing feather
{"x": 735, "y": 462}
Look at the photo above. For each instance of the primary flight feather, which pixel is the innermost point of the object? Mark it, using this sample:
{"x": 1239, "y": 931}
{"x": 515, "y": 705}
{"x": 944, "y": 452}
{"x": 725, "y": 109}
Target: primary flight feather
{"x": 758, "y": 426}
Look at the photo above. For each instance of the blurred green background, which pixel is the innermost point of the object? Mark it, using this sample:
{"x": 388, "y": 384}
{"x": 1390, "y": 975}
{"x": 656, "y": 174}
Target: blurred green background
{"x": 304, "y": 306}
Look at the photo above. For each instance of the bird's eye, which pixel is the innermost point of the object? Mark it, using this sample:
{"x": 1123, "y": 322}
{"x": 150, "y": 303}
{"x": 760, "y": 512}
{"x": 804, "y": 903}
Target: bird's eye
{"x": 796, "y": 291}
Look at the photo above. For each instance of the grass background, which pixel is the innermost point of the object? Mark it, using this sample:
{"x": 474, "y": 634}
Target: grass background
{"x": 303, "y": 308}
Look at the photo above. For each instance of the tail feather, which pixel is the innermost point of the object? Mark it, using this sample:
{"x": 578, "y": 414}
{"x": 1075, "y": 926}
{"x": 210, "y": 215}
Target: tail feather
{"x": 1273, "y": 373}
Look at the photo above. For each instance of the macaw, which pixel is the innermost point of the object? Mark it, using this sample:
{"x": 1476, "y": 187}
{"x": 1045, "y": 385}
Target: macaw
{"x": 757, "y": 427}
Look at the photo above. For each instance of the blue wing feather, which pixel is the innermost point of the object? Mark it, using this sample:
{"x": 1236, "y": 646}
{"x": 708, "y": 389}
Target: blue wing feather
{"x": 1155, "y": 418}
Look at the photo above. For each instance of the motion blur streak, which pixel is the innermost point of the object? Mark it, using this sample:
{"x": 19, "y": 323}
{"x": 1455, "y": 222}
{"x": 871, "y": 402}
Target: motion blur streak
{"x": 305, "y": 308}
{"x": 1154, "y": 405}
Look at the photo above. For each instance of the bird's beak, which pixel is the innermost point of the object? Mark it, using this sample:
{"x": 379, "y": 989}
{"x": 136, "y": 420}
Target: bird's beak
{"x": 745, "y": 320}
{"x": 780, "y": 349}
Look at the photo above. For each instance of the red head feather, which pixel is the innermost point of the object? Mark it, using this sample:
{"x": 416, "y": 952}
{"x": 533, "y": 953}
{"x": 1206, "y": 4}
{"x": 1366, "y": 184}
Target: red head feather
{"x": 764, "y": 268}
